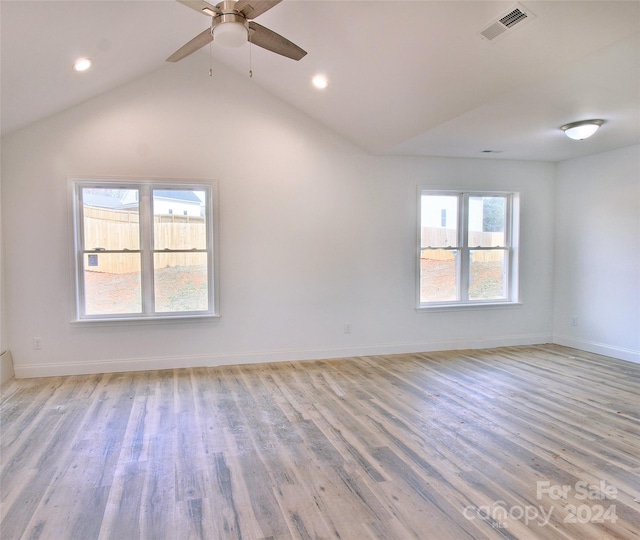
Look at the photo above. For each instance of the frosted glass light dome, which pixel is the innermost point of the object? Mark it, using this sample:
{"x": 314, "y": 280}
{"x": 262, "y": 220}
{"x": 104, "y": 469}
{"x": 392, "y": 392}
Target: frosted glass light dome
{"x": 581, "y": 130}
{"x": 230, "y": 34}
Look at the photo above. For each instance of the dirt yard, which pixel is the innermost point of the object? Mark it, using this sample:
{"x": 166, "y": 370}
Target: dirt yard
{"x": 176, "y": 289}
{"x": 486, "y": 280}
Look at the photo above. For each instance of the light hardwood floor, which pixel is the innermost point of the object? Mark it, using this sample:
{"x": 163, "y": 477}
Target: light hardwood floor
{"x": 450, "y": 445}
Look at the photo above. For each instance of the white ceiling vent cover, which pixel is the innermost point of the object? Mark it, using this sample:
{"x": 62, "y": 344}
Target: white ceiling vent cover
{"x": 505, "y": 23}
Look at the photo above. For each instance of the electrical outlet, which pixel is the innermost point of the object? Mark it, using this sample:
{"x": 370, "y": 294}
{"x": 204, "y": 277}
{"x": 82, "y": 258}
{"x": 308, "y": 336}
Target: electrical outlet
{"x": 347, "y": 328}
{"x": 574, "y": 321}
{"x": 37, "y": 343}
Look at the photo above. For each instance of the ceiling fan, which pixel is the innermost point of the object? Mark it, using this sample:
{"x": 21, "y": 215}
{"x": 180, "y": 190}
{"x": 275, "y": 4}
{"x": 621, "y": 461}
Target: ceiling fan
{"x": 231, "y": 26}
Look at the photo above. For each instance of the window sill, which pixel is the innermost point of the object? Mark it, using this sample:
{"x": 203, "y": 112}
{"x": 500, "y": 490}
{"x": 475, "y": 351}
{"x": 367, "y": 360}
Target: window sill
{"x": 468, "y": 307}
{"x": 163, "y": 319}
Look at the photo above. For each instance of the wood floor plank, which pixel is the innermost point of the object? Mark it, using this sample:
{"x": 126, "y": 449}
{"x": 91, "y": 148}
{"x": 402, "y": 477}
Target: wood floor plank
{"x": 444, "y": 446}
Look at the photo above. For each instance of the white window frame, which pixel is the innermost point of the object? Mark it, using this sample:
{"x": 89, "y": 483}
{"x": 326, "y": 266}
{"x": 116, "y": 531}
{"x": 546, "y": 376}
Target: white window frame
{"x": 145, "y": 189}
{"x": 512, "y": 239}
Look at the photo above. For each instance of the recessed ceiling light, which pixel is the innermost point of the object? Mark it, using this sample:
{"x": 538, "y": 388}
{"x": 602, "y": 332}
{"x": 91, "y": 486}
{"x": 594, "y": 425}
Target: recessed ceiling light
{"x": 320, "y": 81}
{"x": 82, "y": 64}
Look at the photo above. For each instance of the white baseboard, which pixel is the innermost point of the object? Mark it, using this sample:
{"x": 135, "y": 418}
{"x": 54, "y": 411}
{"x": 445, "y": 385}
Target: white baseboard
{"x": 261, "y": 357}
{"x": 6, "y": 367}
{"x": 598, "y": 348}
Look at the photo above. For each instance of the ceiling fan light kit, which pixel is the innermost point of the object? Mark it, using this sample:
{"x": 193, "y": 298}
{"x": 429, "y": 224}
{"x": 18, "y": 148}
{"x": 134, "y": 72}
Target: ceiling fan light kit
{"x": 231, "y": 26}
{"x": 582, "y": 129}
{"x": 230, "y": 30}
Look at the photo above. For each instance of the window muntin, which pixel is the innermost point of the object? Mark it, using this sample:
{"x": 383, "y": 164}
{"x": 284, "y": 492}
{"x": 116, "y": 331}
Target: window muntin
{"x": 473, "y": 259}
{"x": 135, "y": 259}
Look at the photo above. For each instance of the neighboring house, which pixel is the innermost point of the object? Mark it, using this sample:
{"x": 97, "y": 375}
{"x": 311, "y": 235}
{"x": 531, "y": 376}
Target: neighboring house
{"x": 184, "y": 203}
{"x": 442, "y": 212}
{"x": 166, "y": 202}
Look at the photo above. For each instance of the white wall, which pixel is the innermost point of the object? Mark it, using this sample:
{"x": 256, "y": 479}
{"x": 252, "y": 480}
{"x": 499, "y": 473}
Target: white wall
{"x": 3, "y": 331}
{"x": 597, "y": 278}
{"x": 6, "y": 364}
{"x": 314, "y": 233}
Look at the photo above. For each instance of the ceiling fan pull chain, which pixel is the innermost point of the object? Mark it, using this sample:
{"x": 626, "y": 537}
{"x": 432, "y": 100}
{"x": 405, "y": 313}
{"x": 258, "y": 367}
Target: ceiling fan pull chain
{"x": 250, "y": 57}
{"x": 210, "y": 62}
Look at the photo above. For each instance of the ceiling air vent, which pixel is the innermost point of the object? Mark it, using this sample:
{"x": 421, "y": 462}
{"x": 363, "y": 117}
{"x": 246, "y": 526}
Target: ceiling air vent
{"x": 516, "y": 16}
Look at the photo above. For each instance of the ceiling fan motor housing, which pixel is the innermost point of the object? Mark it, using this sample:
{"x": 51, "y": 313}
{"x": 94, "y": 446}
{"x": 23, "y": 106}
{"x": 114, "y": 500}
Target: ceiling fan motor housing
{"x": 228, "y": 27}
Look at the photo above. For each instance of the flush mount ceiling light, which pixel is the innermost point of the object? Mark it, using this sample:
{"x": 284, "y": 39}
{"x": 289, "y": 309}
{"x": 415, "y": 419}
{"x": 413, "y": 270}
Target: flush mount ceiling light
{"x": 82, "y": 64}
{"x": 581, "y": 130}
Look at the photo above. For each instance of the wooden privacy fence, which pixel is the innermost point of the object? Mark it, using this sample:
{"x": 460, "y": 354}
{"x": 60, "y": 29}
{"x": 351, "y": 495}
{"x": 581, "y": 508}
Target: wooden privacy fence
{"x": 120, "y": 230}
{"x": 441, "y": 237}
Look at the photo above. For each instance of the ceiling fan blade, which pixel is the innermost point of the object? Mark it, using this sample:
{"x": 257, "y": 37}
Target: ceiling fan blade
{"x": 196, "y": 43}
{"x": 268, "y": 39}
{"x": 252, "y": 8}
{"x": 200, "y": 6}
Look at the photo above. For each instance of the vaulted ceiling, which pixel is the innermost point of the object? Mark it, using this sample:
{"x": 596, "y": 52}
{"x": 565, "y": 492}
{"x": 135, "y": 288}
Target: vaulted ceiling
{"x": 412, "y": 78}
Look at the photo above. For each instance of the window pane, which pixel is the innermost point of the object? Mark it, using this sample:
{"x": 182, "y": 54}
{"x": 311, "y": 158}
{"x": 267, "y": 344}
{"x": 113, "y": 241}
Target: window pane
{"x": 179, "y": 219}
{"x": 439, "y": 221}
{"x": 438, "y": 275}
{"x": 181, "y": 282}
{"x": 488, "y": 274}
{"x": 111, "y": 219}
{"x": 487, "y": 218}
{"x": 112, "y": 283}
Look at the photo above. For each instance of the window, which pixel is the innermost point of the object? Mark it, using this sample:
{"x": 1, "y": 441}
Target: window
{"x": 135, "y": 258}
{"x": 467, "y": 248}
